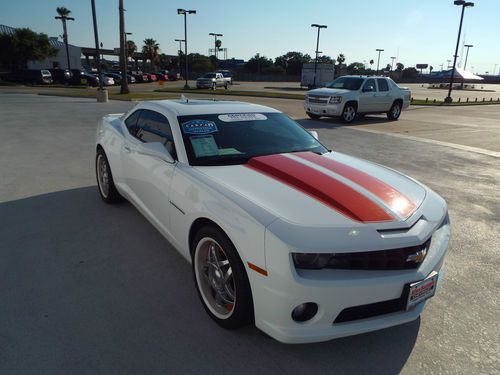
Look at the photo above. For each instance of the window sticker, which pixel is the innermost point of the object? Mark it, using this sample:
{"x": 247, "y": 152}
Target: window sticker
{"x": 204, "y": 145}
{"x": 233, "y": 117}
{"x": 199, "y": 127}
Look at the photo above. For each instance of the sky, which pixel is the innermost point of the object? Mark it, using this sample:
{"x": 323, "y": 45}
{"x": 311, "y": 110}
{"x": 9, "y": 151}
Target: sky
{"x": 423, "y": 31}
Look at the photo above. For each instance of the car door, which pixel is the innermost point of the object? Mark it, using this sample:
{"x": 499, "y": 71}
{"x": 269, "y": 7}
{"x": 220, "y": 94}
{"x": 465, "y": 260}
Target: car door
{"x": 367, "y": 97}
{"x": 148, "y": 177}
{"x": 384, "y": 98}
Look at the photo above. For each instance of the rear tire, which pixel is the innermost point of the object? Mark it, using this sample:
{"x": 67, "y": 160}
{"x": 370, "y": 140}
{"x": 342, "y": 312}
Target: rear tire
{"x": 221, "y": 279}
{"x": 348, "y": 113}
{"x": 105, "y": 183}
{"x": 312, "y": 116}
{"x": 394, "y": 112}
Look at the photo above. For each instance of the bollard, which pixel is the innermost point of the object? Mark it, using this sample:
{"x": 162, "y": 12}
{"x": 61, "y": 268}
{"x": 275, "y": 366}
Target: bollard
{"x": 426, "y": 100}
{"x": 102, "y": 96}
{"x": 411, "y": 100}
{"x": 483, "y": 99}
{"x": 459, "y": 100}
{"x": 467, "y": 99}
{"x": 491, "y": 99}
{"x": 476, "y": 100}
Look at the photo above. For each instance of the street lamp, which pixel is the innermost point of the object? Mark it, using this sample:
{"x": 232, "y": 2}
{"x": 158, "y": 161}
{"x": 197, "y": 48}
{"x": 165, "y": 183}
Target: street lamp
{"x": 63, "y": 19}
{"x": 317, "y": 49}
{"x": 185, "y": 12}
{"x": 464, "y": 4}
{"x": 179, "y": 53}
{"x": 378, "y": 60}
{"x": 392, "y": 62}
{"x": 102, "y": 94}
{"x": 215, "y": 35}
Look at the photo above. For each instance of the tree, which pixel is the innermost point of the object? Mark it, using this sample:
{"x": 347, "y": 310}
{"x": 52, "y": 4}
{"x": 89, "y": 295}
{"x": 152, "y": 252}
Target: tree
{"x": 200, "y": 63}
{"x": 63, "y": 15}
{"x": 164, "y": 62}
{"x": 356, "y": 68}
{"x": 258, "y": 63}
{"x": 150, "y": 51}
{"x": 388, "y": 67}
{"x": 399, "y": 67}
{"x": 371, "y": 63}
{"x": 410, "y": 72}
{"x": 131, "y": 48}
{"x": 291, "y": 62}
{"x": 340, "y": 59}
{"x": 325, "y": 59}
{"x": 431, "y": 68}
{"x": 22, "y": 46}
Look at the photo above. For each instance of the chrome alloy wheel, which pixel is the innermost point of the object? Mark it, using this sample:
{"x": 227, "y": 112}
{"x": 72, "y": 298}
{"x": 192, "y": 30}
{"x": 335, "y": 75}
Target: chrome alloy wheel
{"x": 215, "y": 278}
{"x": 103, "y": 175}
{"x": 396, "y": 110}
{"x": 349, "y": 114}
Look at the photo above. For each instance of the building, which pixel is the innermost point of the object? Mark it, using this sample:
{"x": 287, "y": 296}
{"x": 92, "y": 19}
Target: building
{"x": 58, "y": 61}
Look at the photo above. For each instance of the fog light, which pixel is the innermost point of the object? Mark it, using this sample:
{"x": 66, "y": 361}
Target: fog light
{"x": 304, "y": 311}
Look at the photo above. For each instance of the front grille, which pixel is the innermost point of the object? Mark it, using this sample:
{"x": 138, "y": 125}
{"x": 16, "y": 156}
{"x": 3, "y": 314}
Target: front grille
{"x": 393, "y": 259}
{"x": 374, "y": 309}
{"x": 318, "y": 99}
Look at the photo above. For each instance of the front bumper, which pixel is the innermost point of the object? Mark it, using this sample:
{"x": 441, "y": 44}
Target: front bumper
{"x": 334, "y": 290}
{"x": 323, "y": 109}
{"x": 204, "y": 84}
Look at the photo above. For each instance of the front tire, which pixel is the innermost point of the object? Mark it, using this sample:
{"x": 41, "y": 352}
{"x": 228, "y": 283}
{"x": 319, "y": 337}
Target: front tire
{"x": 394, "y": 112}
{"x": 105, "y": 183}
{"x": 214, "y": 86}
{"x": 312, "y": 116}
{"x": 221, "y": 280}
{"x": 349, "y": 113}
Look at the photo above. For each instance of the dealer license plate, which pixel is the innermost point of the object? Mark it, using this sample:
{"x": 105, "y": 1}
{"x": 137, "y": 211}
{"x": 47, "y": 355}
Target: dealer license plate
{"x": 422, "y": 290}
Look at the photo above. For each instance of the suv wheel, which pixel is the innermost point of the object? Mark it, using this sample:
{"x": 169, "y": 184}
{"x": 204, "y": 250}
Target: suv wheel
{"x": 349, "y": 113}
{"x": 395, "y": 111}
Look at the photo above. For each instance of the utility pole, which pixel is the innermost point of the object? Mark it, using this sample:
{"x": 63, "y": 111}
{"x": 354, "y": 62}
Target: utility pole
{"x": 102, "y": 94}
{"x": 378, "y": 60}
{"x": 123, "y": 63}
{"x": 185, "y": 12}
{"x": 317, "y": 50}
{"x": 463, "y": 4}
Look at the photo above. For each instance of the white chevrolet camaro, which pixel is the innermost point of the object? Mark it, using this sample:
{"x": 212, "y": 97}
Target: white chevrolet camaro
{"x": 308, "y": 244}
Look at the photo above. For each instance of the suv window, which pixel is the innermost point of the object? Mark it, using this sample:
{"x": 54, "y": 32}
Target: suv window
{"x": 370, "y": 82}
{"x": 382, "y": 84}
{"x": 154, "y": 127}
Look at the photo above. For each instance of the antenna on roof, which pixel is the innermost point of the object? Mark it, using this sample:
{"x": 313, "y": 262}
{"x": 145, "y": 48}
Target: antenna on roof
{"x": 184, "y": 98}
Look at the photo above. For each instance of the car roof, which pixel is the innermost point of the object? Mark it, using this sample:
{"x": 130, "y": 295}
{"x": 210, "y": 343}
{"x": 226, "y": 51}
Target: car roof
{"x": 186, "y": 107}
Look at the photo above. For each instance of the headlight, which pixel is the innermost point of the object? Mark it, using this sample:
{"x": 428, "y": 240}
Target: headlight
{"x": 335, "y": 100}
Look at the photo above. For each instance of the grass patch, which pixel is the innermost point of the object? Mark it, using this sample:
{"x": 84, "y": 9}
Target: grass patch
{"x": 455, "y": 103}
{"x": 256, "y": 94}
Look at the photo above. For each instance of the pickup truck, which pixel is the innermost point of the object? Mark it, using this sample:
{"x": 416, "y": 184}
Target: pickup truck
{"x": 349, "y": 96}
{"x": 211, "y": 81}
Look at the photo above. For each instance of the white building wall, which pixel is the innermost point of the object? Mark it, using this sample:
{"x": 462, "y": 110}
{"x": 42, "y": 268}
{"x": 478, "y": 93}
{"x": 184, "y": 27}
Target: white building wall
{"x": 75, "y": 54}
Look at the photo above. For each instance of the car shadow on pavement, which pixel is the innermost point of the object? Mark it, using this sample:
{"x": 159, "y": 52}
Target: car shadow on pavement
{"x": 329, "y": 122}
{"x": 87, "y": 287}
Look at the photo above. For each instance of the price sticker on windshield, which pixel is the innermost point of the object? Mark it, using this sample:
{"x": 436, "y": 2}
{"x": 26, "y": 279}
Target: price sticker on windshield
{"x": 235, "y": 117}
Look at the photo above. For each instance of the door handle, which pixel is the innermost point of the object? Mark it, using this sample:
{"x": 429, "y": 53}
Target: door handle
{"x": 127, "y": 149}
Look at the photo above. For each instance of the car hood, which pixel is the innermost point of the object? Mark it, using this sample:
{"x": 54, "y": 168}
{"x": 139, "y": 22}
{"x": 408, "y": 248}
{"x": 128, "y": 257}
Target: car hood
{"x": 331, "y": 190}
{"x": 328, "y": 92}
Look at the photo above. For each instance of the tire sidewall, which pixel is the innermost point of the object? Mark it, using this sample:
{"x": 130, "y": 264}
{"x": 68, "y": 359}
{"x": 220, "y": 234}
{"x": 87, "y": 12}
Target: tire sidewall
{"x": 390, "y": 114}
{"x": 113, "y": 194}
{"x": 342, "y": 118}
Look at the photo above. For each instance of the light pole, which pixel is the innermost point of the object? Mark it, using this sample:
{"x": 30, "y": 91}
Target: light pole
{"x": 464, "y": 4}
{"x": 123, "y": 63}
{"x": 179, "y": 54}
{"x": 317, "y": 49}
{"x": 378, "y": 60}
{"x": 185, "y": 12}
{"x": 63, "y": 19}
{"x": 102, "y": 94}
{"x": 392, "y": 62}
{"x": 215, "y": 35}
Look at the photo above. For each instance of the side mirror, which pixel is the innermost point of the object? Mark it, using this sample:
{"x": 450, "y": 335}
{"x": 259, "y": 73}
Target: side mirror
{"x": 157, "y": 150}
{"x": 314, "y": 133}
{"x": 368, "y": 88}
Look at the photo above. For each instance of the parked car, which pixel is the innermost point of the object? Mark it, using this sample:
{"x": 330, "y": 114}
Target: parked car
{"x": 151, "y": 77}
{"x": 117, "y": 76}
{"x": 30, "y": 76}
{"x": 80, "y": 77}
{"x": 228, "y": 76}
{"x": 349, "y": 96}
{"x": 308, "y": 244}
{"x": 161, "y": 76}
{"x": 140, "y": 77}
{"x": 211, "y": 81}
{"x": 106, "y": 80}
{"x": 60, "y": 76}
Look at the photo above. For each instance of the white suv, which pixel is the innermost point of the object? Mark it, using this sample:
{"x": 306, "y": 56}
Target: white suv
{"x": 348, "y": 96}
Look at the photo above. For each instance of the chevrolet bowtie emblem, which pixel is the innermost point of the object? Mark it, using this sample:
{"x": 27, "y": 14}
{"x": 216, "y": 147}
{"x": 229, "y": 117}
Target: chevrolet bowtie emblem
{"x": 418, "y": 257}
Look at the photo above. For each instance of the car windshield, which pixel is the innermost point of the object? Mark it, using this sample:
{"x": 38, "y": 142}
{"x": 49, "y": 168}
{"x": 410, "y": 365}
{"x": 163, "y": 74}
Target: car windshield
{"x": 209, "y": 75}
{"x": 346, "y": 83}
{"x": 234, "y": 138}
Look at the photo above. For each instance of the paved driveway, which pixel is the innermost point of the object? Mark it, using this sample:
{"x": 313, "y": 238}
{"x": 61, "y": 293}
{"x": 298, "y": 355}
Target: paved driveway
{"x": 87, "y": 288}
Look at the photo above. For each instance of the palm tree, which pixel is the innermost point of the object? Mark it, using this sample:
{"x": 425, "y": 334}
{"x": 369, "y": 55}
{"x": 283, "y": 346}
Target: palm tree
{"x": 151, "y": 50}
{"x": 371, "y": 63}
{"x": 131, "y": 48}
{"x": 63, "y": 15}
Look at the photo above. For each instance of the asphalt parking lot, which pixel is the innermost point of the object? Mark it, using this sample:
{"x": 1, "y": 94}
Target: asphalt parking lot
{"x": 87, "y": 288}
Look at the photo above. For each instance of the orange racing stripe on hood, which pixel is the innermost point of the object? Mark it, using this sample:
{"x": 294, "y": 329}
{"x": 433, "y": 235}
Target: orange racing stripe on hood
{"x": 395, "y": 200}
{"x": 320, "y": 186}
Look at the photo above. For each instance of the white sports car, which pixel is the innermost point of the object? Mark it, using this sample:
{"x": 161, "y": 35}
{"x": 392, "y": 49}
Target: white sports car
{"x": 309, "y": 244}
